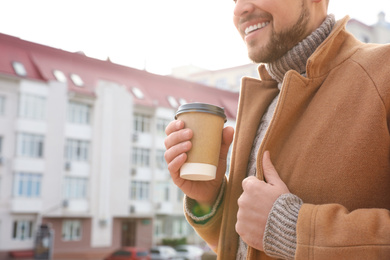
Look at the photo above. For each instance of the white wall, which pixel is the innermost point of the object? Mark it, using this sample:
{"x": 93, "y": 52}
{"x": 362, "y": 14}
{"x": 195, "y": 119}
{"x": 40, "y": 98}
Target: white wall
{"x": 110, "y": 159}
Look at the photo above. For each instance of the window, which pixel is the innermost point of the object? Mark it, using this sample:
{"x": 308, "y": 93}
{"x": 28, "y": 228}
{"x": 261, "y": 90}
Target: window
{"x": 27, "y": 185}
{"x": 32, "y": 106}
{"x": 142, "y": 253}
{"x": 71, "y": 230}
{"x": 19, "y": 68}
{"x": 158, "y": 228}
{"x": 161, "y": 124}
{"x": 77, "y": 80}
{"x": 160, "y": 160}
{"x": 75, "y": 188}
{"x": 79, "y": 113}
{"x": 172, "y": 101}
{"x": 139, "y": 190}
{"x": 166, "y": 193}
{"x": 76, "y": 150}
{"x": 30, "y": 145}
{"x": 141, "y": 123}
{"x": 60, "y": 76}
{"x": 222, "y": 83}
{"x": 161, "y": 191}
{"x": 203, "y": 81}
{"x": 137, "y": 93}
{"x": 180, "y": 195}
{"x": 180, "y": 228}
{"x": 2, "y": 105}
{"x": 238, "y": 81}
{"x": 141, "y": 157}
{"x": 182, "y": 101}
{"x": 22, "y": 230}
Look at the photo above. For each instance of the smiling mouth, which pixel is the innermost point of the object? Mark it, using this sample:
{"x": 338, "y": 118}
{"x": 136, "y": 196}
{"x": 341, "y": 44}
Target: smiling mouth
{"x": 255, "y": 27}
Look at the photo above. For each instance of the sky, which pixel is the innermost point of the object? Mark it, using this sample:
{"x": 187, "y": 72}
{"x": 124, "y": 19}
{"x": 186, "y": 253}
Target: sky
{"x": 155, "y": 35}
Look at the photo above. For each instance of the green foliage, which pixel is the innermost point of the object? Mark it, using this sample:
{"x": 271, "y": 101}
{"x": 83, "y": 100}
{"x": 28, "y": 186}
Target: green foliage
{"x": 174, "y": 241}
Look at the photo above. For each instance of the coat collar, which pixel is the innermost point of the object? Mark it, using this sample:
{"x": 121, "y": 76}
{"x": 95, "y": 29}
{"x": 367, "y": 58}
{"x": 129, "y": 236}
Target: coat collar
{"x": 327, "y": 55}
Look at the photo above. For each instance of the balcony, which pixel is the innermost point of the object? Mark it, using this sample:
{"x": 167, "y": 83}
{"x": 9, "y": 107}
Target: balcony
{"x": 26, "y": 205}
{"x": 164, "y": 208}
{"x": 23, "y": 164}
{"x": 141, "y": 209}
{"x": 75, "y": 205}
{"x": 76, "y": 168}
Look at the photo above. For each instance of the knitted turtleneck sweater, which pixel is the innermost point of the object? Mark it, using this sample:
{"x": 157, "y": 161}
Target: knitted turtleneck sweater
{"x": 280, "y": 233}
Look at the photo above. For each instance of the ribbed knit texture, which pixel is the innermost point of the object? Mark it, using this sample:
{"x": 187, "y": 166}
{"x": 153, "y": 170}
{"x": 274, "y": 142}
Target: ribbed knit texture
{"x": 190, "y": 204}
{"x": 280, "y": 236}
{"x": 295, "y": 59}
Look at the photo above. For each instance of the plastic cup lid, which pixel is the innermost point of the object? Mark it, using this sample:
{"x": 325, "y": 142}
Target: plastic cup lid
{"x": 201, "y": 107}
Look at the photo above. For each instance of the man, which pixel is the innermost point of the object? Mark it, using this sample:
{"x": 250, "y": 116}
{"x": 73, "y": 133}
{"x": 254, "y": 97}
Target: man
{"x": 315, "y": 128}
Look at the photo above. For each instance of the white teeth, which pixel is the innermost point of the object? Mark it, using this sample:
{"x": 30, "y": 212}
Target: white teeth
{"x": 255, "y": 27}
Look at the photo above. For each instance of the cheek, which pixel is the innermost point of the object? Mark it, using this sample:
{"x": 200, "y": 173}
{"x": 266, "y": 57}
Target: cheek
{"x": 285, "y": 18}
{"x": 241, "y": 34}
{"x": 280, "y": 25}
{"x": 235, "y": 22}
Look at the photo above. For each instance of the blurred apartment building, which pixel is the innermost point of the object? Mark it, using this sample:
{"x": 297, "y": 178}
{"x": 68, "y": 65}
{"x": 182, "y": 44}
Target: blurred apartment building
{"x": 230, "y": 78}
{"x": 81, "y": 149}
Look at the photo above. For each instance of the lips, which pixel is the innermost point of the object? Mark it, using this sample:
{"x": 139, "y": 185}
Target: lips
{"x": 255, "y": 27}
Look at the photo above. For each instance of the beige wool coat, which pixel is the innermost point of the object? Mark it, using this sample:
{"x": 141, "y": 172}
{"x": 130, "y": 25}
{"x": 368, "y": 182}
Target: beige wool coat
{"x": 329, "y": 141}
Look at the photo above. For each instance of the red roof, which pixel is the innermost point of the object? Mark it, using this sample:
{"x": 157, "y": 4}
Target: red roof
{"x": 40, "y": 61}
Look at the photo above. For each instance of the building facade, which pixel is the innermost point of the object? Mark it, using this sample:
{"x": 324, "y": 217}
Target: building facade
{"x": 82, "y": 150}
{"x": 376, "y": 33}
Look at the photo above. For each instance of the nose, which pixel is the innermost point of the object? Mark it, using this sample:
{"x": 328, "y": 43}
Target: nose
{"x": 243, "y": 7}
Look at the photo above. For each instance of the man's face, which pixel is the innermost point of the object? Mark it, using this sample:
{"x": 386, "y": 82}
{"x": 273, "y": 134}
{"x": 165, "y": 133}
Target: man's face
{"x": 270, "y": 28}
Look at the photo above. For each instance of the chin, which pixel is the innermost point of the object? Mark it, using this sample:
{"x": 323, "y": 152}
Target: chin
{"x": 256, "y": 57}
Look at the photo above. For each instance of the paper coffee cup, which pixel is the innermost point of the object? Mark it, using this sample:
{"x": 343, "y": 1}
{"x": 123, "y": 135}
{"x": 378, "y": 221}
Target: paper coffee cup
{"x": 206, "y": 121}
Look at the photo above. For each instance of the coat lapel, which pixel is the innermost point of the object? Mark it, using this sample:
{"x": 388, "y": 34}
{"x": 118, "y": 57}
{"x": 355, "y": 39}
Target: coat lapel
{"x": 264, "y": 92}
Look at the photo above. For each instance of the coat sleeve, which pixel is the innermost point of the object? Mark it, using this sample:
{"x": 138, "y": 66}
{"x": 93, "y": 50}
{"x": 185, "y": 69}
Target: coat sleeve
{"x": 330, "y": 231}
{"x": 210, "y": 230}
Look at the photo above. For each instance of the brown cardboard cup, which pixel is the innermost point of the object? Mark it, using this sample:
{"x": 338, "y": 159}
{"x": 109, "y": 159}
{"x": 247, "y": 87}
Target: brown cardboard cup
{"x": 206, "y": 121}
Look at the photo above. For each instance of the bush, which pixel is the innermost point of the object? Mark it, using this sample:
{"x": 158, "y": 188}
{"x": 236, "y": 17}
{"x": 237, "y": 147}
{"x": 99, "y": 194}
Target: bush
{"x": 174, "y": 241}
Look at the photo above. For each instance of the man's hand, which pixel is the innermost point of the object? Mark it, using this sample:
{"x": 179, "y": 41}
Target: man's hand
{"x": 178, "y": 143}
{"x": 256, "y": 202}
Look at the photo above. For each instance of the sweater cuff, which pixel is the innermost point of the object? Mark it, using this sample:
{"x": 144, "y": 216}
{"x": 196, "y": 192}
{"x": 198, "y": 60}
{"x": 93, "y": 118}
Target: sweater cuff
{"x": 280, "y": 235}
{"x": 199, "y": 214}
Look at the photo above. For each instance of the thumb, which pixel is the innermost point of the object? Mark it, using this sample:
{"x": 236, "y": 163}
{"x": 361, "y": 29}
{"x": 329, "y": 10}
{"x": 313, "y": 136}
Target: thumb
{"x": 227, "y": 138}
{"x": 270, "y": 174}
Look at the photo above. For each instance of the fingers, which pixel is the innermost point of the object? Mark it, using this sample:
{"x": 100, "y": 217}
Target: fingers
{"x": 176, "y": 134}
{"x": 270, "y": 174}
{"x": 249, "y": 182}
{"x": 252, "y": 185}
{"x": 175, "y": 164}
{"x": 177, "y": 144}
{"x": 174, "y": 126}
